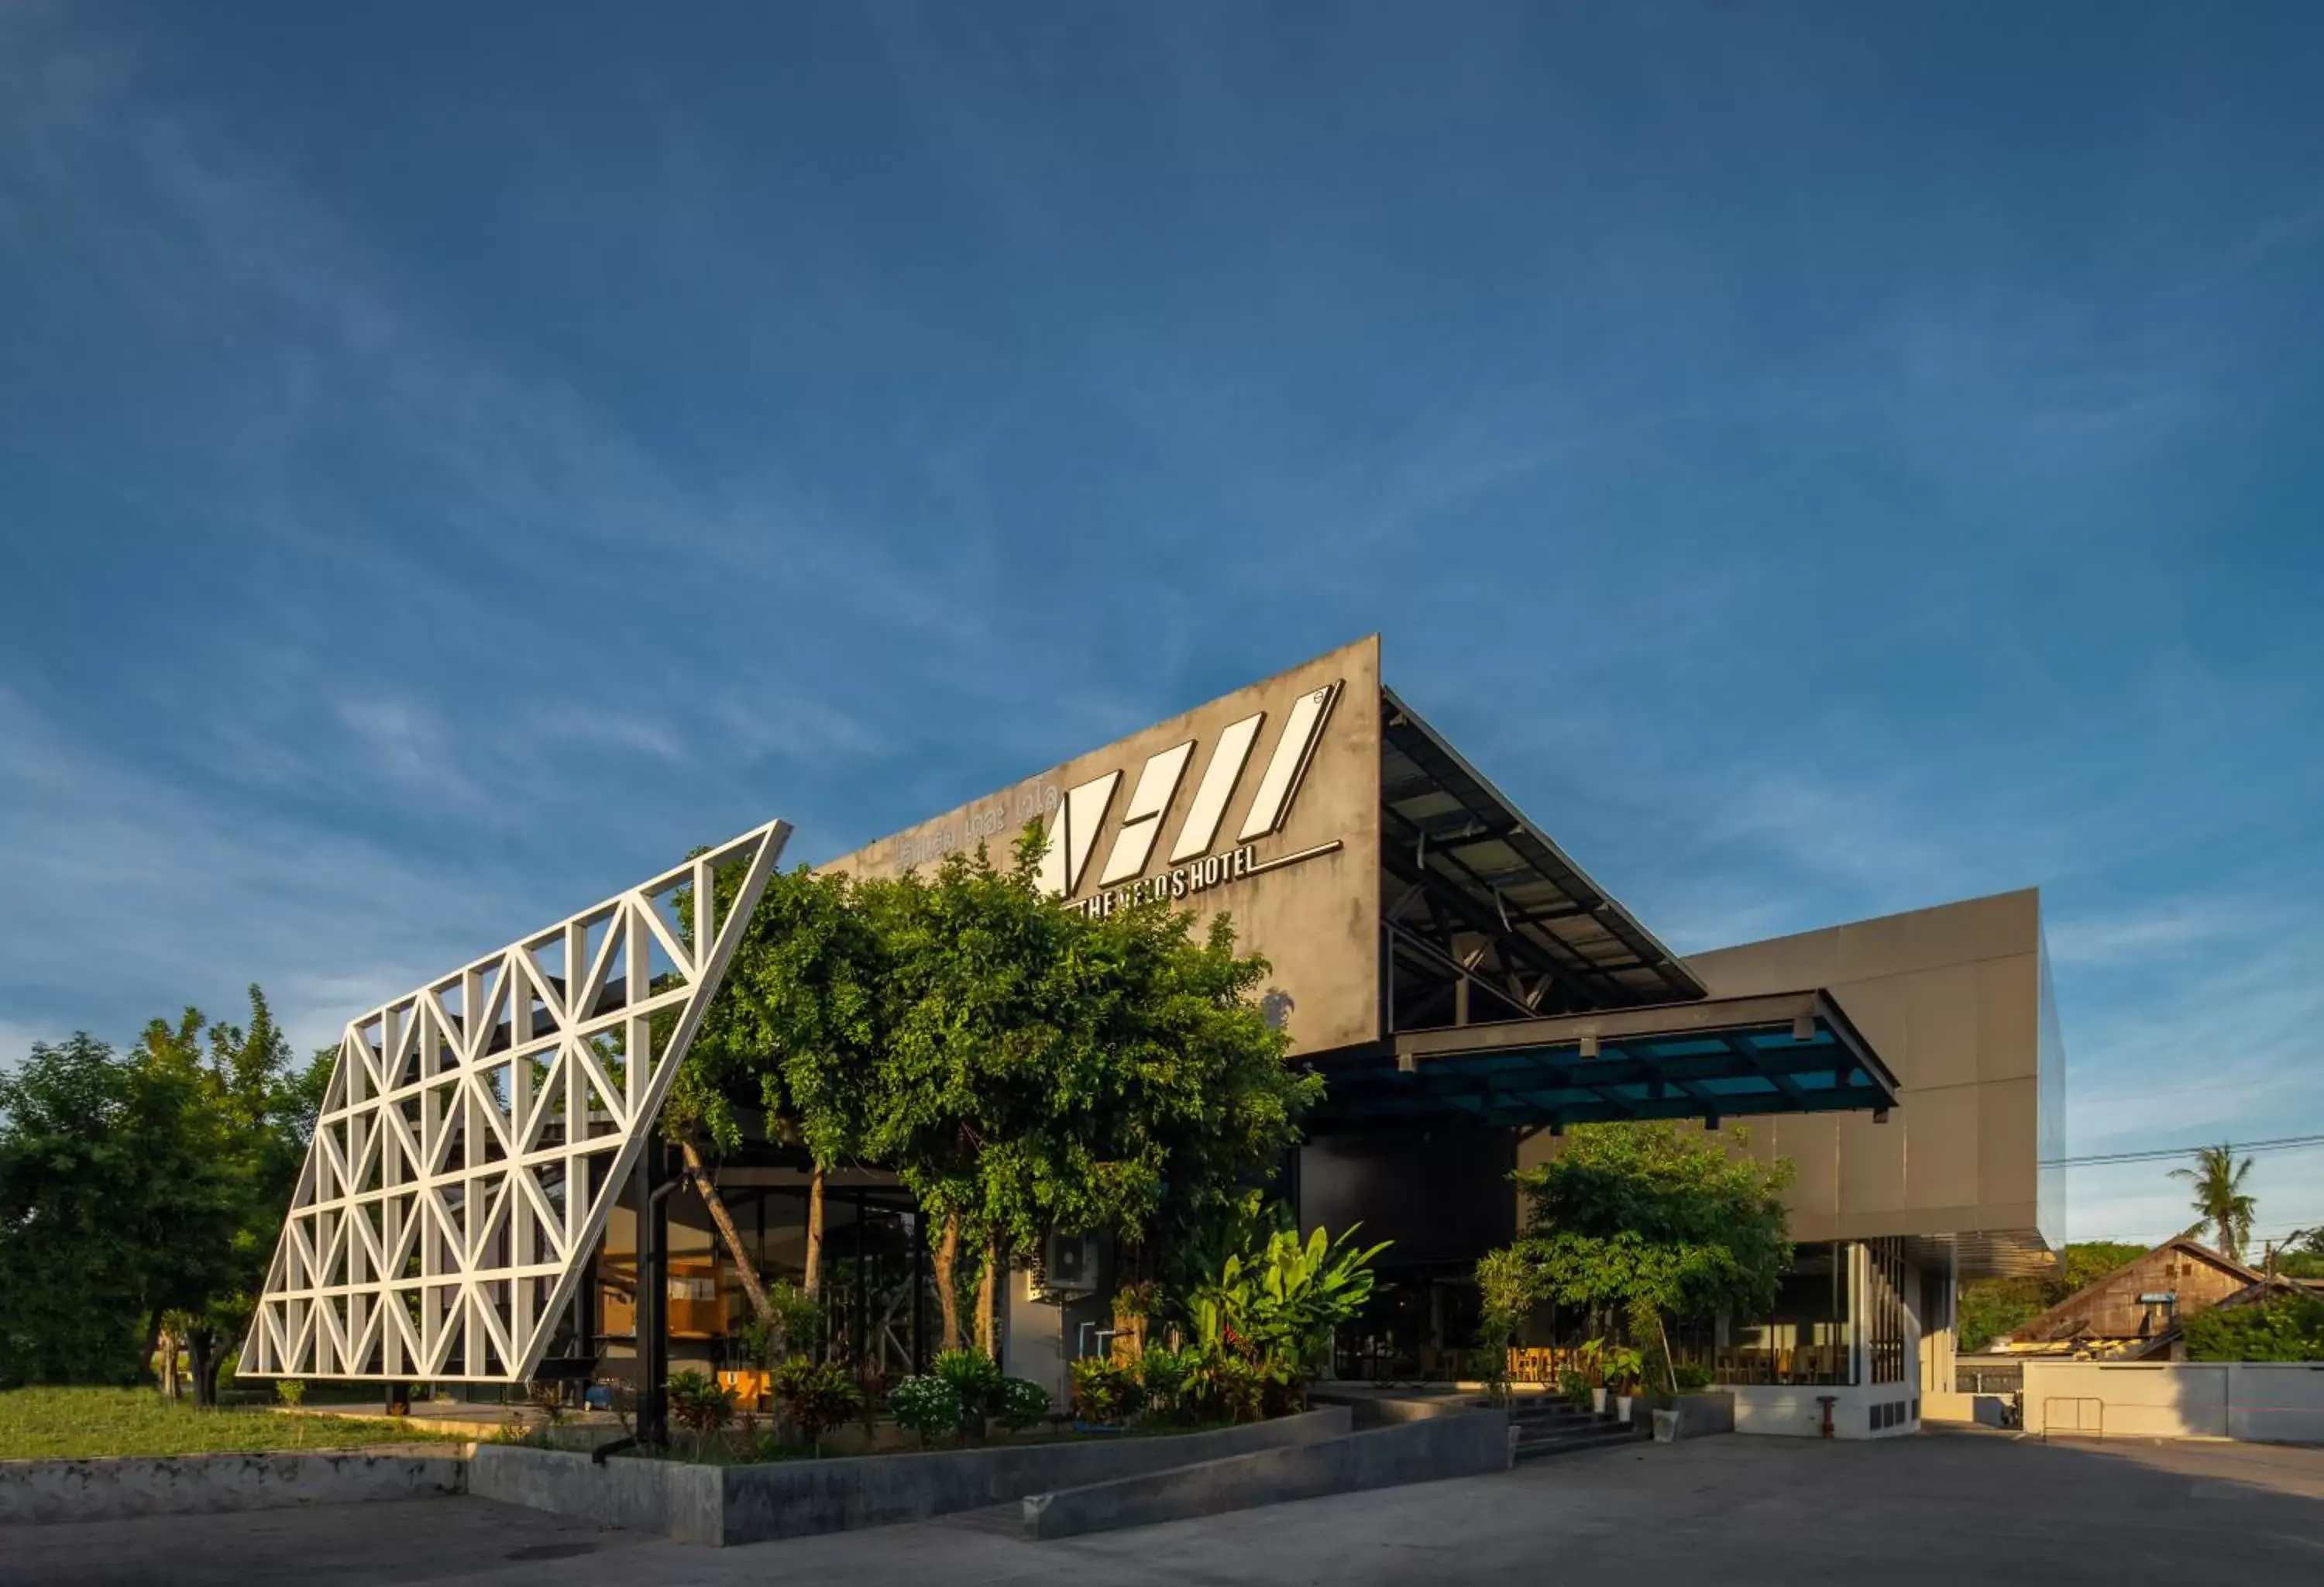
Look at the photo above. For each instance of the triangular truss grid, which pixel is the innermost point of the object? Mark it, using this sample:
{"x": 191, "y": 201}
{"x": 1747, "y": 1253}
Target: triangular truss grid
{"x": 476, "y": 1133}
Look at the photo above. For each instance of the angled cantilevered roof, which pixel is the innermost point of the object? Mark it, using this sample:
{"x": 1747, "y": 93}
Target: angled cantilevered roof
{"x": 1718, "y": 1057}
{"x": 1464, "y": 863}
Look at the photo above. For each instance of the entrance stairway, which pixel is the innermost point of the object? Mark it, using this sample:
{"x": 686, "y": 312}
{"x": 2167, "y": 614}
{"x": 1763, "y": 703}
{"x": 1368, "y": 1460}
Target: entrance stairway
{"x": 1550, "y": 1425}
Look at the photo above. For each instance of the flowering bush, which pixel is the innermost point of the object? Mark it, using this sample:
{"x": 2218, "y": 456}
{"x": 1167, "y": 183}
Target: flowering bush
{"x": 926, "y": 1406}
{"x": 1019, "y": 1404}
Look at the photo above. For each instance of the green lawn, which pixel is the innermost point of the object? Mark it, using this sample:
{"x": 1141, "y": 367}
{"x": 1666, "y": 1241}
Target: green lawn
{"x": 47, "y": 1424}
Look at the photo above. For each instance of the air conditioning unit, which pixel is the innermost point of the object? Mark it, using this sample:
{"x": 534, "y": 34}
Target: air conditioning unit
{"x": 1067, "y": 1268}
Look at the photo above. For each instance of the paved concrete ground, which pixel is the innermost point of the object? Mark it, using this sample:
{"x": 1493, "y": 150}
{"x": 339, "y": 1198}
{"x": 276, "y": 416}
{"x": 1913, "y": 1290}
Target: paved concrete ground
{"x": 1941, "y": 1509}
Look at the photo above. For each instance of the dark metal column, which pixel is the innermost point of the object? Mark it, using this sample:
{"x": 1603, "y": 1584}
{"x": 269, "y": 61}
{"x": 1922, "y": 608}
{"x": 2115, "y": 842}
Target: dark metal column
{"x": 862, "y": 1322}
{"x": 653, "y": 1294}
{"x": 919, "y": 1290}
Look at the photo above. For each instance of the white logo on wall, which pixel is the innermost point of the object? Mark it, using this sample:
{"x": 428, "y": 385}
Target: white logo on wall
{"x": 1197, "y": 864}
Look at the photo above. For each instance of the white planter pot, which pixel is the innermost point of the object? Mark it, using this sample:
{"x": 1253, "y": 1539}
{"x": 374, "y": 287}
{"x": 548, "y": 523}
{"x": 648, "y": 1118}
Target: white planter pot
{"x": 1622, "y": 1408}
{"x": 1598, "y": 1399}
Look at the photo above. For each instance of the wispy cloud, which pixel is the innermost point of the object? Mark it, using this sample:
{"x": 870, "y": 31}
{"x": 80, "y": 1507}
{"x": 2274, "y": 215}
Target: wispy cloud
{"x": 2155, "y": 933}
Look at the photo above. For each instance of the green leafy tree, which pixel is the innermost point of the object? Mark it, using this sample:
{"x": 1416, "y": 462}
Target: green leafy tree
{"x": 2285, "y": 1328}
{"x": 142, "y": 1185}
{"x": 1647, "y": 1222}
{"x": 1993, "y": 1308}
{"x": 2223, "y": 1205}
{"x": 2302, "y": 1255}
{"x": 2088, "y": 1261}
{"x": 1045, "y": 1069}
{"x": 794, "y": 1035}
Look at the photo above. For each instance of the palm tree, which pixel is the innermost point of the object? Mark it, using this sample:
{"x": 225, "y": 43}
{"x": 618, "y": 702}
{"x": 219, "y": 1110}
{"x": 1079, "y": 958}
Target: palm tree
{"x": 2226, "y": 1208}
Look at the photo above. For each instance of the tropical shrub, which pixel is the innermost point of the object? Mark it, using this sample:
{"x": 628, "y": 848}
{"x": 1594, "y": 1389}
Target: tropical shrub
{"x": 927, "y": 1406}
{"x": 290, "y": 1391}
{"x": 1105, "y": 1390}
{"x": 974, "y": 1374}
{"x": 1278, "y": 1305}
{"x": 1576, "y": 1388}
{"x": 1226, "y": 1387}
{"x": 700, "y": 1405}
{"x": 1163, "y": 1376}
{"x": 1693, "y": 1378}
{"x": 816, "y": 1397}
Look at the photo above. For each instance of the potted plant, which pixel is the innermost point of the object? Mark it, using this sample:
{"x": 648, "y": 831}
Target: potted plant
{"x": 1589, "y": 1360}
{"x": 1626, "y": 1368}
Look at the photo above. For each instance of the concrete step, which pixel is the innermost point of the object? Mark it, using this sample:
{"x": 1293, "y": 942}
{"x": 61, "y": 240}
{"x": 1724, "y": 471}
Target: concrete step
{"x": 1596, "y": 1434}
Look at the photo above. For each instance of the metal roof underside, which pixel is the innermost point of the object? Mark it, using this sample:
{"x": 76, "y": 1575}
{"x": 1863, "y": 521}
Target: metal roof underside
{"x": 1726, "y": 1057}
{"x": 1470, "y": 879}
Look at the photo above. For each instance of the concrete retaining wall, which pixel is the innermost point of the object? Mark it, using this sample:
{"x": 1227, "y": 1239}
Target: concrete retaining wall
{"x": 114, "y": 1489}
{"x": 669, "y": 1497}
{"x": 1380, "y": 1410}
{"x": 2263, "y": 1402}
{"x": 1422, "y": 1450}
{"x": 794, "y": 1498}
{"x": 1699, "y": 1416}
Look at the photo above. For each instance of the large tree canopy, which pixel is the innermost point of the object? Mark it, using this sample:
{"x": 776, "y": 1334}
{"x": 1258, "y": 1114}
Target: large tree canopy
{"x": 139, "y": 1182}
{"x": 1020, "y": 1066}
{"x": 1649, "y": 1216}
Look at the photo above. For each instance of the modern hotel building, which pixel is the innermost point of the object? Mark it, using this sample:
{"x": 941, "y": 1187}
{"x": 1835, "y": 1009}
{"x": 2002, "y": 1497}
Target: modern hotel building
{"x": 1465, "y": 989}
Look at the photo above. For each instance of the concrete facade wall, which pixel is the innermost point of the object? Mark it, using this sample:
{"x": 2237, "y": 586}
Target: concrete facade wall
{"x": 2261, "y": 1402}
{"x": 1786, "y": 1411}
{"x": 1422, "y": 1450}
{"x": 1317, "y": 920}
{"x": 113, "y": 1489}
{"x": 1951, "y": 999}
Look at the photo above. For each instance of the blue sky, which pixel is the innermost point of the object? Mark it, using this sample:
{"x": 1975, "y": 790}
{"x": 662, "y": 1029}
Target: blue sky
{"x": 1819, "y": 459}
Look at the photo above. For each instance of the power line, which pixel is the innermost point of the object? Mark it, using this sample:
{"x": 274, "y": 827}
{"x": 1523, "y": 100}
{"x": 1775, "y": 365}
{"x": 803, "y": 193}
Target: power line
{"x": 2284, "y": 1143}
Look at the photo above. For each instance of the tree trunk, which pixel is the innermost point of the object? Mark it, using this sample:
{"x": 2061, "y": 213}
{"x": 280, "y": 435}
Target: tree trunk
{"x": 154, "y": 1347}
{"x": 167, "y": 1345}
{"x": 744, "y": 1268}
{"x": 814, "y": 1188}
{"x": 988, "y": 1295}
{"x": 948, "y": 1291}
{"x": 198, "y": 1343}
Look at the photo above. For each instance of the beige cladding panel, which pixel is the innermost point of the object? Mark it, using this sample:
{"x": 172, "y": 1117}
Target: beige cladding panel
{"x": 1940, "y": 1146}
{"x": 1949, "y": 997}
{"x": 2009, "y": 1018}
{"x": 1303, "y": 890}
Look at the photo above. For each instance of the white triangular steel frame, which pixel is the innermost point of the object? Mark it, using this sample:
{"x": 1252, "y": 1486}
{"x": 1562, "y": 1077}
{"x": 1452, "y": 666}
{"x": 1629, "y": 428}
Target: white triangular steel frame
{"x": 435, "y": 1234}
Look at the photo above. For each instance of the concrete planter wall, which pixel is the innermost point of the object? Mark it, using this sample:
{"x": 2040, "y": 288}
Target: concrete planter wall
{"x": 719, "y": 1505}
{"x": 1423, "y": 1449}
{"x": 1696, "y": 1416}
{"x": 119, "y": 1488}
